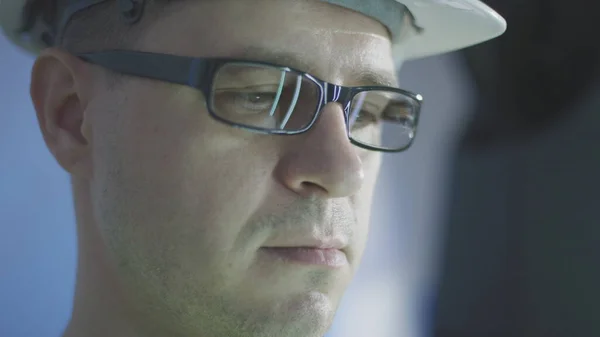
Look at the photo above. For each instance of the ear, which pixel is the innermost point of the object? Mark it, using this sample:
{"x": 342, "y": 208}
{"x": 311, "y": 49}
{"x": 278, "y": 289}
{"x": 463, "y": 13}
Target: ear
{"x": 60, "y": 88}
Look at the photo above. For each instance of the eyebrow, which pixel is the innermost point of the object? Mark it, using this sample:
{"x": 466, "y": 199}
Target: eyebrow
{"x": 364, "y": 76}
{"x": 377, "y": 78}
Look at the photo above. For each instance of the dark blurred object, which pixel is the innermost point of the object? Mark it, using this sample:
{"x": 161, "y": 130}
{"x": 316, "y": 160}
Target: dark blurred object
{"x": 522, "y": 244}
{"x": 544, "y": 63}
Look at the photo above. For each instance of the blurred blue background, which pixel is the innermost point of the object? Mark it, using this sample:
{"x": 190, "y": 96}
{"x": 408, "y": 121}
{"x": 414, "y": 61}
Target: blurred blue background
{"x": 37, "y": 237}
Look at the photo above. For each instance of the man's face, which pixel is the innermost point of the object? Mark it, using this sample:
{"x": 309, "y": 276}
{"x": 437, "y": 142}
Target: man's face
{"x": 186, "y": 205}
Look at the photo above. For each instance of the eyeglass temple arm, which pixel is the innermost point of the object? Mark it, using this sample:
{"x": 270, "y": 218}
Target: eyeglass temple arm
{"x": 174, "y": 69}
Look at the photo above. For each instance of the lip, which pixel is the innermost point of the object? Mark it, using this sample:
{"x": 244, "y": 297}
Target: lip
{"x": 317, "y": 256}
{"x": 329, "y": 243}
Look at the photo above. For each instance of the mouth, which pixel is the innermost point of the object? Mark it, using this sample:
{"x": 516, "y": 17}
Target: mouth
{"x": 311, "y": 256}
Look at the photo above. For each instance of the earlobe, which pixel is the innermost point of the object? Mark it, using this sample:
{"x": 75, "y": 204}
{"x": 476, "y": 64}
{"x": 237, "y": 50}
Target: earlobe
{"x": 60, "y": 102}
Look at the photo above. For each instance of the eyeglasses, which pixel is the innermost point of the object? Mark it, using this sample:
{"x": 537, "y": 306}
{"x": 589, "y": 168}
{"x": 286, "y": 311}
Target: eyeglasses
{"x": 278, "y": 100}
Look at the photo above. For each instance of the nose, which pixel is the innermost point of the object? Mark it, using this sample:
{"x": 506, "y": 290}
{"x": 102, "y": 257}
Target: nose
{"x": 322, "y": 161}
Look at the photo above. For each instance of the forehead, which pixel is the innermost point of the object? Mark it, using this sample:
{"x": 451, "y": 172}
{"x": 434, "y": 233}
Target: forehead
{"x": 314, "y": 36}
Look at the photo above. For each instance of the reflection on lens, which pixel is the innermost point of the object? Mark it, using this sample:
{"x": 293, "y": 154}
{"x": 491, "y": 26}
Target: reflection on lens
{"x": 264, "y": 97}
{"x": 383, "y": 119}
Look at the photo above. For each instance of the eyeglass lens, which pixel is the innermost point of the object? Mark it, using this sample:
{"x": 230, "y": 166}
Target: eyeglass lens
{"x": 264, "y": 97}
{"x": 383, "y": 119}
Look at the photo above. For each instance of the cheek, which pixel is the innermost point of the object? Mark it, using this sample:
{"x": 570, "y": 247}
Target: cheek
{"x": 364, "y": 198}
{"x": 174, "y": 182}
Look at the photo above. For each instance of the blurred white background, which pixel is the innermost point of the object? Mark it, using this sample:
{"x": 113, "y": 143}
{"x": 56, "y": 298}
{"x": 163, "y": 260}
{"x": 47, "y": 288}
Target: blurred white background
{"x": 392, "y": 294}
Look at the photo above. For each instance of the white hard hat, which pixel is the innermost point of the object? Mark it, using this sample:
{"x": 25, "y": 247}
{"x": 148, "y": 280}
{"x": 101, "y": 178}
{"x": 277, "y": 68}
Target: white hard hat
{"x": 438, "y": 26}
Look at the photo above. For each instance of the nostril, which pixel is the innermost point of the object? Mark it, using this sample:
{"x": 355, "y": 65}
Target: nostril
{"x": 312, "y": 188}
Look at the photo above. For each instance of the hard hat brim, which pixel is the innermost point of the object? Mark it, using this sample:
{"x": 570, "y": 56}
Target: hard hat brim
{"x": 445, "y": 25}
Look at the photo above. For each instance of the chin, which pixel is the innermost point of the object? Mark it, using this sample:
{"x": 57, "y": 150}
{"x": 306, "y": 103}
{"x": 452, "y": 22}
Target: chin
{"x": 313, "y": 310}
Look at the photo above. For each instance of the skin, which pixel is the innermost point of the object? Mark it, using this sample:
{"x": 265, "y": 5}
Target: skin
{"x": 173, "y": 207}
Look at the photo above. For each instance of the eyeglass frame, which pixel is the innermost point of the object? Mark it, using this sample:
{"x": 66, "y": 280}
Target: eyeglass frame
{"x": 199, "y": 73}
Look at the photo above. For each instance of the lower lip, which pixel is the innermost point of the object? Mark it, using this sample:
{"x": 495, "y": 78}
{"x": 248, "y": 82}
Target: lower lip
{"x": 333, "y": 258}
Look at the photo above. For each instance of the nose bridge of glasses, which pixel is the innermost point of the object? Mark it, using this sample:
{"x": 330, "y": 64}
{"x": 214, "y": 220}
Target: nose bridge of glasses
{"x": 338, "y": 94}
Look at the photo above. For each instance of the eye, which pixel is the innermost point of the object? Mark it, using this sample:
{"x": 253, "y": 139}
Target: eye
{"x": 365, "y": 116}
{"x": 400, "y": 113}
{"x": 364, "y": 119}
{"x": 258, "y": 97}
{"x": 255, "y": 101}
